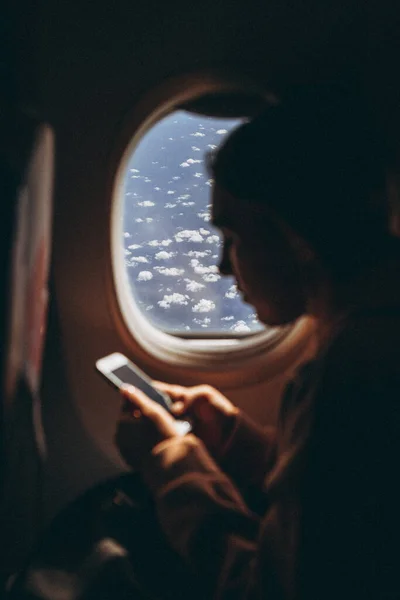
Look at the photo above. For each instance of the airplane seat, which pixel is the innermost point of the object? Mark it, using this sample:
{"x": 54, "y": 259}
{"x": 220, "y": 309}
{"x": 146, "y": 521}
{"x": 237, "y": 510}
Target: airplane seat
{"x": 26, "y": 161}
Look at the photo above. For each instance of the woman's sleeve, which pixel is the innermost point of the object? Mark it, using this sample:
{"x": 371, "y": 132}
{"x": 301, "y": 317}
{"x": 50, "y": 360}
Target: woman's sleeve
{"x": 250, "y": 452}
{"x": 205, "y": 518}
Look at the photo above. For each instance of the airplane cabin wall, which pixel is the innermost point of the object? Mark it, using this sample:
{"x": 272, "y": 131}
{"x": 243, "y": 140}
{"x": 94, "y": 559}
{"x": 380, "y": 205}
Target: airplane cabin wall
{"x": 90, "y": 64}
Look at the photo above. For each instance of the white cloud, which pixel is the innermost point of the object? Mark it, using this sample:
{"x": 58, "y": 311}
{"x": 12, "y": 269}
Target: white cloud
{"x": 139, "y": 220}
{"x": 172, "y": 272}
{"x": 159, "y": 243}
{"x": 202, "y": 270}
{"x": 193, "y": 286}
{"x": 232, "y": 292}
{"x": 127, "y": 252}
{"x": 176, "y": 178}
{"x": 139, "y": 259}
{"x": 170, "y": 192}
{"x": 134, "y": 170}
{"x": 164, "y": 255}
{"x": 157, "y": 189}
{"x": 145, "y": 276}
{"x": 213, "y": 239}
{"x": 127, "y": 235}
{"x": 209, "y": 182}
{"x": 198, "y": 253}
{"x": 146, "y": 203}
{"x": 134, "y": 246}
{"x": 222, "y": 131}
{"x": 204, "y": 231}
{"x": 205, "y": 216}
{"x": 204, "y": 306}
{"x": 198, "y": 175}
{"x": 211, "y": 277}
{"x": 184, "y": 164}
{"x": 240, "y": 327}
{"x": 198, "y": 134}
{"x": 149, "y": 220}
{"x": 212, "y": 146}
{"x": 173, "y": 299}
{"x": 194, "y": 161}
{"x": 169, "y": 205}
{"x": 191, "y": 235}
{"x": 230, "y": 318}
{"x": 195, "y": 149}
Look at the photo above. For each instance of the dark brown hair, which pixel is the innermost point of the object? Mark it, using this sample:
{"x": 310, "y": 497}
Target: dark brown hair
{"x": 319, "y": 160}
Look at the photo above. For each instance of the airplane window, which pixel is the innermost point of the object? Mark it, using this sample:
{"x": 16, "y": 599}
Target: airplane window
{"x": 169, "y": 248}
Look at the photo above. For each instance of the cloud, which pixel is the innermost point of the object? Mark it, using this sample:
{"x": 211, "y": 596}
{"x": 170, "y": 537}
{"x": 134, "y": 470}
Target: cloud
{"x": 172, "y": 272}
{"x": 222, "y": 131}
{"x": 198, "y": 134}
{"x": 146, "y": 203}
{"x": 203, "y": 322}
{"x": 193, "y": 286}
{"x": 134, "y": 246}
{"x": 127, "y": 235}
{"x": 139, "y": 259}
{"x": 204, "y": 306}
{"x": 211, "y": 277}
{"x": 145, "y": 276}
{"x": 212, "y": 146}
{"x": 164, "y": 255}
{"x": 171, "y": 192}
{"x": 159, "y": 243}
{"x": 213, "y": 239}
{"x": 230, "y": 318}
{"x": 202, "y": 270}
{"x": 194, "y": 161}
{"x": 134, "y": 170}
{"x": 198, "y": 175}
{"x": 205, "y": 216}
{"x": 184, "y": 164}
{"x": 169, "y": 205}
{"x": 240, "y": 327}
{"x": 191, "y": 235}
{"x": 198, "y": 253}
{"x": 196, "y": 149}
{"x": 232, "y": 292}
{"x": 176, "y": 298}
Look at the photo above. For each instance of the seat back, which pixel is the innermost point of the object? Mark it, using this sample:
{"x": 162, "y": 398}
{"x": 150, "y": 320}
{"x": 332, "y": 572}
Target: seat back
{"x": 28, "y": 158}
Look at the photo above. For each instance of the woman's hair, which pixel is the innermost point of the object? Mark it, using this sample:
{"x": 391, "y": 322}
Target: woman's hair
{"x": 319, "y": 161}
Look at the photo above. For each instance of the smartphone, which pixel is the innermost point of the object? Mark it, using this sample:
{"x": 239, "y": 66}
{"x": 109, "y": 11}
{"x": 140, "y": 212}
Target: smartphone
{"x": 118, "y": 369}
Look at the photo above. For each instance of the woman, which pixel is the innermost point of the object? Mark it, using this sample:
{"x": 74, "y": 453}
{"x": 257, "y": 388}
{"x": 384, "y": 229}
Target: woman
{"x": 309, "y": 509}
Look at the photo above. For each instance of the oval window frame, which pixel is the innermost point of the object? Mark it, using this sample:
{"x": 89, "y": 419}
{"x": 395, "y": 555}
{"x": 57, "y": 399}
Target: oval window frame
{"x": 250, "y": 357}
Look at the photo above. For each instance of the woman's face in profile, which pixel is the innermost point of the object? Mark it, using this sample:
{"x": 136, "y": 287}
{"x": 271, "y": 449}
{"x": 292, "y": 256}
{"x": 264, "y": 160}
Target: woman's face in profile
{"x": 260, "y": 259}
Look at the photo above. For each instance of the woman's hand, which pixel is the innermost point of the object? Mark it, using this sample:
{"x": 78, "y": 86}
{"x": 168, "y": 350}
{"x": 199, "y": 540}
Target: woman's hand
{"x": 143, "y": 424}
{"x": 212, "y": 415}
